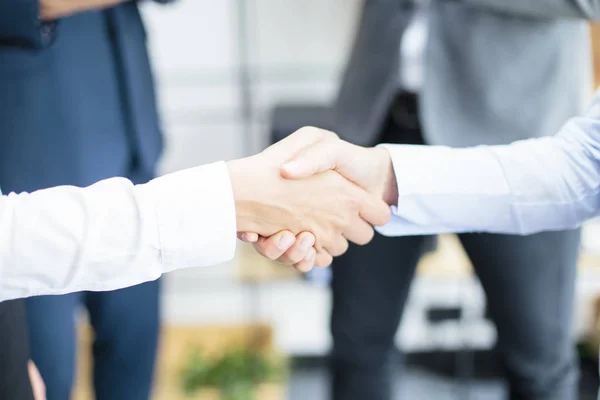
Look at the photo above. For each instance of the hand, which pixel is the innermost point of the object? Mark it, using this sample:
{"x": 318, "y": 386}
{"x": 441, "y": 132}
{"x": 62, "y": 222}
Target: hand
{"x": 288, "y": 249}
{"x": 54, "y": 9}
{"x": 370, "y": 168}
{"x": 333, "y": 209}
{"x": 37, "y": 383}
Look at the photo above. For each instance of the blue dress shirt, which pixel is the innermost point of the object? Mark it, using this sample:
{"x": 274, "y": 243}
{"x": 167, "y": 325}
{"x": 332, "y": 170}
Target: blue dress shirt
{"x": 529, "y": 186}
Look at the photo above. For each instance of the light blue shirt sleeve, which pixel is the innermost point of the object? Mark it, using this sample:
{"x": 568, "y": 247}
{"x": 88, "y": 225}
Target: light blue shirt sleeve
{"x": 529, "y": 186}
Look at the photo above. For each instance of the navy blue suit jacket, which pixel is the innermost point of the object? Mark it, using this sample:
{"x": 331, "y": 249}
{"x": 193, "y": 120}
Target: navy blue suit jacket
{"x": 77, "y": 101}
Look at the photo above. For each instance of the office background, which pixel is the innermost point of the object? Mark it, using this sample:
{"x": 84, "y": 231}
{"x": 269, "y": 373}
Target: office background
{"x": 221, "y": 67}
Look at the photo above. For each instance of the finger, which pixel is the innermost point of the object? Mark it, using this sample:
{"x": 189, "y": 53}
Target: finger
{"x": 323, "y": 258}
{"x": 300, "y": 249}
{"x": 359, "y": 232}
{"x": 308, "y": 262}
{"x": 322, "y": 157}
{"x": 337, "y": 246}
{"x": 373, "y": 210}
{"x": 273, "y": 247}
{"x": 248, "y": 237}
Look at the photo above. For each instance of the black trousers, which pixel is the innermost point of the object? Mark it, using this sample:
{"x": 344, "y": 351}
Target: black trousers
{"x": 14, "y": 352}
{"x": 529, "y": 283}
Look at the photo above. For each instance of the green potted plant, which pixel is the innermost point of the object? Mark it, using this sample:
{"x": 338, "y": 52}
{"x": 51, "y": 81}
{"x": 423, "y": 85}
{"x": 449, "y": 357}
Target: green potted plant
{"x": 237, "y": 374}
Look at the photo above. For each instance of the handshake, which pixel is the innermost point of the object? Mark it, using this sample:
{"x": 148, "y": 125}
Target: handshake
{"x": 303, "y": 199}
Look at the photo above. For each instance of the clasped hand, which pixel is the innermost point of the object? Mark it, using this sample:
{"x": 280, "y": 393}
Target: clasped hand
{"x": 303, "y": 199}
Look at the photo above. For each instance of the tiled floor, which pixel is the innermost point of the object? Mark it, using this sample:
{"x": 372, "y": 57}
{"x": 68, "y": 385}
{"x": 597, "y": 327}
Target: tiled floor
{"x": 311, "y": 384}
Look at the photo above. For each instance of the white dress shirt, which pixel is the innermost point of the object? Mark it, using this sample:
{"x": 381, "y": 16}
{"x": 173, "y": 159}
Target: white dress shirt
{"x": 114, "y": 234}
{"x": 529, "y": 186}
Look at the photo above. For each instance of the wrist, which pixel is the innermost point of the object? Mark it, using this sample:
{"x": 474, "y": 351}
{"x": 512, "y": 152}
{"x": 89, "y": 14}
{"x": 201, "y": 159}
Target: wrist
{"x": 252, "y": 194}
{"x": 389, "y": 193}
{"x": 239, "y": 187}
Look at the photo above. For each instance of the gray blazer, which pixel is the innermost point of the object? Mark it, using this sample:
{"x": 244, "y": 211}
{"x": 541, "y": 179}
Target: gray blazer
{"x": 495, "y": 70}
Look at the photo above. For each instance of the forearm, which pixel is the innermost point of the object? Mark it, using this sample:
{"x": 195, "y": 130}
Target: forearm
{"x": 114, "y": 234}
{"x": 584, "y": 9}
{"x": 527, "y": 187}
{"x": 54, "y": 9}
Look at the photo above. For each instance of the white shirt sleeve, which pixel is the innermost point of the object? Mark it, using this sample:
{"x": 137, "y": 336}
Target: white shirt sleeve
{"x": 113, "y": 234}
{"x": 529, "y": 186}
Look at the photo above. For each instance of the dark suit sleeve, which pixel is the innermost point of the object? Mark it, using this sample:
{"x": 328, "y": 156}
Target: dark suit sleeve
{"x": 14, "y": 352}
{"x": 581, "y": 9}
{"x": 20, "y": 25}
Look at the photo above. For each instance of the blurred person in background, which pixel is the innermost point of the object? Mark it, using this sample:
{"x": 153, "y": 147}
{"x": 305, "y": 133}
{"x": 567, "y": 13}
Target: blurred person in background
{"x": 77, "y": 105}
{"x": 463, "y": 73}
{"x": 19, "y": 378}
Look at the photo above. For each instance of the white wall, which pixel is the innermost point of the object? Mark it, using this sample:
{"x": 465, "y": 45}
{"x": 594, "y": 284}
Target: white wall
{"x": 295, "y": 52}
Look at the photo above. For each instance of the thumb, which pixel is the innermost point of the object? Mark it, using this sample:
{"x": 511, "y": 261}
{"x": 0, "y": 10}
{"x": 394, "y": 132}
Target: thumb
{"x": 312, "y": 160}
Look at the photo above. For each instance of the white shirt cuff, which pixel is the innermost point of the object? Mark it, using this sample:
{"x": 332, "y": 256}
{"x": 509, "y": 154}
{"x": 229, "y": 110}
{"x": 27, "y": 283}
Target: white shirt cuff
{"x": 195, "y": 213}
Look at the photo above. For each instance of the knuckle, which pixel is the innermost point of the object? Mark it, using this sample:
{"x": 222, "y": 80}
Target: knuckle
{"x": 303, "y": 267}
{"x": 343, "y": 248}
{"x": 312, "y": 132}
{"x": 338, "y": 222}
{"x": 329, "y": 135}
{"x": 306, "y": 129}
{"x": 324, "y": 260}
{"x": 270, "y": 251}
{"x": 386, "y": 215}
{"x": 350, "y": 206}
{"x": 355, "y": 203}
{"x": 295, "y": 255}
{"x": 318, "y": 133}
{"x": 381, "y": 215}
{"x": 366, "y": 237}
{"x": 339, "y": 248}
